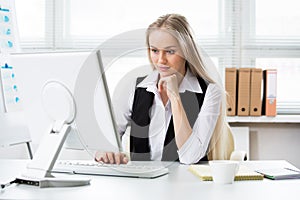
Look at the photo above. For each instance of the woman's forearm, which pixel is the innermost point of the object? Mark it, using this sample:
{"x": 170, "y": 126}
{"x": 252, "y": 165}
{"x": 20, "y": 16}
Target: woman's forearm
{"x": 182, "y": 127}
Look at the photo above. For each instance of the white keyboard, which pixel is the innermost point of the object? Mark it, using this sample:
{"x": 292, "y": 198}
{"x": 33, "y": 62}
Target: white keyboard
{"x": 95, "y": 168}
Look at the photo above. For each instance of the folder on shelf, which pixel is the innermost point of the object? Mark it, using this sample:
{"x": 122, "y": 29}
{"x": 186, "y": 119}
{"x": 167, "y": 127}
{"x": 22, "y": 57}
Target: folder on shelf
{"x": 244, "y": 173}
{"x": 243, "y": 92}
{"x": 230, "y": 87}
{"x": 256, "y": 92}
{"x": 270, "y": 92}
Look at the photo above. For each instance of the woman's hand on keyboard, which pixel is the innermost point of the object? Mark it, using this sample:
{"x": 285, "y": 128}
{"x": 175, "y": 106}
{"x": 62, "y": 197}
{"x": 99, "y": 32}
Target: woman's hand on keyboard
{"x": 111, "y": 157}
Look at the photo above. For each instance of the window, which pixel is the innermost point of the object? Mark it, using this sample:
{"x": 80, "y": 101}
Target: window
{"x": 90, "y": 23}
{"x": 37, "y": 34}
{"x": 273, "y": 41}
{"x": 287, "y": 93}
{"x": 235, "y": 33}
{"x": 280, "y": 21}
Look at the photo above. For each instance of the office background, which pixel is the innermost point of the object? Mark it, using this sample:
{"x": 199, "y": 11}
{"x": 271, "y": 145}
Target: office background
{"x": 235, "y": 33}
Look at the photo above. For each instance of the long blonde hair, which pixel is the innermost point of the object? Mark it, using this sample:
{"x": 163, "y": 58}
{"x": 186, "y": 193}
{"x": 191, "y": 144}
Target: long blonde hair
{"x": 221, "y": 143}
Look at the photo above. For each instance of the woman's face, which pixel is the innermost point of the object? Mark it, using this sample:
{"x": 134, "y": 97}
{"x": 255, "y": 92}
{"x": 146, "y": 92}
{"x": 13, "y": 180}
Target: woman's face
{"x": 165, "y": 53}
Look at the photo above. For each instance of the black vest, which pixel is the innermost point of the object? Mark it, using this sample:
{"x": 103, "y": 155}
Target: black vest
{"x": 141, "y": 108}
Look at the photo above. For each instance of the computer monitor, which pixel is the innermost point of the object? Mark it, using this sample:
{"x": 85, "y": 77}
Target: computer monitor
{"x": 80, "y": 73}
{"x": 81, "y": 91}
{"x": 95, "y": 118}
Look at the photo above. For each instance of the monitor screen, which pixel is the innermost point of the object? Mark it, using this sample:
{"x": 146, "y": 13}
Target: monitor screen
{"x": 95, "y": 118}
{"x": 83, "y": 74}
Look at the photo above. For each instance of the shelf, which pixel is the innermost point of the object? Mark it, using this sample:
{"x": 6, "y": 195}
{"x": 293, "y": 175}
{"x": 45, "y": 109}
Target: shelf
{"x": 264, "y": 119}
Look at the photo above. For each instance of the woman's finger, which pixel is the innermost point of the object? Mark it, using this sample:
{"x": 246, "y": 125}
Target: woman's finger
{"x": 161, "y": 84}
{"x": 111, "y": 157}
{"x": 100, "y": 157}
{"x": 118, "y": 157}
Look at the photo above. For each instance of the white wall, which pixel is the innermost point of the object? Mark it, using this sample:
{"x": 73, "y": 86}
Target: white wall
{"x": 274, "y": 141}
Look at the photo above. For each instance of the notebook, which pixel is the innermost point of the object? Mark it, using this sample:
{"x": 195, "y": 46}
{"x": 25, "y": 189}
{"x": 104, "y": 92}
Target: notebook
{"x": 244, "y": 173}
{"x": 280, "y": 173}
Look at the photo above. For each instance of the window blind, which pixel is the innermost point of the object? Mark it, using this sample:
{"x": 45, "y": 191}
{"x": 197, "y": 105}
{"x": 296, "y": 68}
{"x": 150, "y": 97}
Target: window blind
{"x": 235, "y": 33}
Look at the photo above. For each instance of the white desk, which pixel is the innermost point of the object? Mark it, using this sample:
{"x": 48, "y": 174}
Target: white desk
{"x": 178, "y": 184}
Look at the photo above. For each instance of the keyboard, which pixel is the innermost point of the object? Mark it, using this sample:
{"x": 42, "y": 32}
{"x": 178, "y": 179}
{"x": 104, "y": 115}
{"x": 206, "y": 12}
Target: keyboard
{"x": 87, "y": 167}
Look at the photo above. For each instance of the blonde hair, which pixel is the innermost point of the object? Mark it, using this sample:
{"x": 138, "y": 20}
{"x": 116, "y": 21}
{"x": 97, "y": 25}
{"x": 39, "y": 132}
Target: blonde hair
{"x": 221, "y": 143}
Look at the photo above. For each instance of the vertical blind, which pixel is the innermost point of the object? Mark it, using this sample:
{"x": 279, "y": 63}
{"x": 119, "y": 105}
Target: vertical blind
{"x": 235, "y": 33}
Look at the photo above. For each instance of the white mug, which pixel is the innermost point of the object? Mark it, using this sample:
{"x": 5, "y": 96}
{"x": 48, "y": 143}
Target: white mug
{"x": 224, "y": 171}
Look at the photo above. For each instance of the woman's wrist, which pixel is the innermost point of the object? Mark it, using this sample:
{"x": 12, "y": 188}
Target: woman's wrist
{"x": 175, "y": 98}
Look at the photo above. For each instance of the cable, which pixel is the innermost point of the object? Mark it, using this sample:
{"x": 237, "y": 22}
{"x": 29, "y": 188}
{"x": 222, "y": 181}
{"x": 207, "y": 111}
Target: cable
{"x": 8, "y": 184}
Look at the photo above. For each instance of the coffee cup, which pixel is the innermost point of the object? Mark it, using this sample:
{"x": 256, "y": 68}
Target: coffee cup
{"x": 223, "y": 171}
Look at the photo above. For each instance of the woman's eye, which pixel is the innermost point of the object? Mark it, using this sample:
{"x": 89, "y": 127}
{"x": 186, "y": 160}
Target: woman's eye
{"x": 154, "y": 50}
{"x": 171, "y": 51}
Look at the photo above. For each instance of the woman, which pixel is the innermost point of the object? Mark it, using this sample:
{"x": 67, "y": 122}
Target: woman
{"x": 177, "y": 112}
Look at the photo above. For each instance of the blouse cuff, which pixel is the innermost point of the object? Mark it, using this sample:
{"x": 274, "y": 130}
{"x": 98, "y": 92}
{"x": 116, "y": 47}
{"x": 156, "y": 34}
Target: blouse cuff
{"x": 186, "y": 153}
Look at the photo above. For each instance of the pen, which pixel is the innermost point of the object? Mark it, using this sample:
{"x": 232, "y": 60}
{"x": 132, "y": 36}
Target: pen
{"x": 294, "y": 170}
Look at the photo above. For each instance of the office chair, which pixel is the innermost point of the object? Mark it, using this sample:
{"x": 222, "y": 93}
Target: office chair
{"x": 237, "y": 154}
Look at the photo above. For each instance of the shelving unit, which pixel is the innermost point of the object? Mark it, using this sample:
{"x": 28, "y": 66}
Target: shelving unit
{"x": 264, "y": 119}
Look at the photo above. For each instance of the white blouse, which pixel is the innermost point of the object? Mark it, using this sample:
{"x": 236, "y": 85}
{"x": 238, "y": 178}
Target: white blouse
{"x": 197, "y": 144}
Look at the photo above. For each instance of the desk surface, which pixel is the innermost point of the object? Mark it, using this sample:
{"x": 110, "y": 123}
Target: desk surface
{"x": 178, "y": 184}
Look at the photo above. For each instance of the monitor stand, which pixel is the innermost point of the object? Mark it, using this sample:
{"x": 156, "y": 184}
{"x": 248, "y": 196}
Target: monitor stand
{"x": 60, "y": 106}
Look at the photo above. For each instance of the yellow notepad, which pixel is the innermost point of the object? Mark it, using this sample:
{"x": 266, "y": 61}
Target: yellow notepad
{"x": 244, "y": 173}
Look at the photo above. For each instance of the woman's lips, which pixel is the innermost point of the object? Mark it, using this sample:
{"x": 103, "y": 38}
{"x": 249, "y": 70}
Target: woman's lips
{"x": 164, "y": 68}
